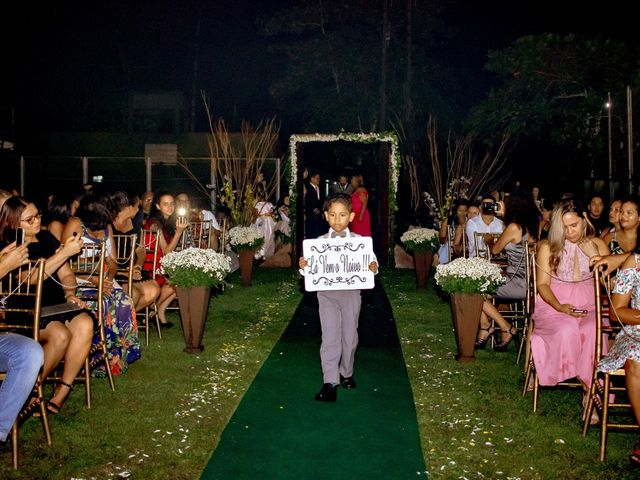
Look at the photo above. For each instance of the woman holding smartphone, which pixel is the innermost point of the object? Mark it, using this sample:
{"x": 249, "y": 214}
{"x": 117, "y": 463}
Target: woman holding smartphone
{"x": 563, "y": 337}
{"x": 65, "y": 336}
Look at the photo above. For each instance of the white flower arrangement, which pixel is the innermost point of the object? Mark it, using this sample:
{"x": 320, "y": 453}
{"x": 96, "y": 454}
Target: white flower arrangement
{"x": 420, "y": 240}
{"x": 469, "y": 275}
{"x": 195, "y": 267}
{"x": 245, "y": 238}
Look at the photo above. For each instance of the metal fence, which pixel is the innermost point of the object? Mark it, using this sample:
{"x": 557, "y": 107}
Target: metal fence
{"x": 36, "y": 177}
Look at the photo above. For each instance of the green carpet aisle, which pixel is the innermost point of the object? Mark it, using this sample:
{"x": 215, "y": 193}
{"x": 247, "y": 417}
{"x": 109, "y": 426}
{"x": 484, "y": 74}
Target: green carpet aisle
{"x": 280, "y": 432}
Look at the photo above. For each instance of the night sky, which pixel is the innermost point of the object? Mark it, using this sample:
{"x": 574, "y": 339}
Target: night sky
{"x": 68, "y": 65}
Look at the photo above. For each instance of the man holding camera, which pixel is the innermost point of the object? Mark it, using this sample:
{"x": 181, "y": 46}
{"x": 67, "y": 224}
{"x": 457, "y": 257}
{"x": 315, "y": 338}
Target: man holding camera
{"x": 486, "y": 222}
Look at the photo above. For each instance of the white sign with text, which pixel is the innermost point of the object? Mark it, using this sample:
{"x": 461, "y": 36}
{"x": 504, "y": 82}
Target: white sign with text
{"x": 338, "y": 263}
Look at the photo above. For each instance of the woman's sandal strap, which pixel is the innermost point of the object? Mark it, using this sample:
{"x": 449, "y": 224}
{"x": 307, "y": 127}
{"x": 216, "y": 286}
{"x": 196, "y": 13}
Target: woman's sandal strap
{"x": 53, "y": 407}
{"x": 68, "y": 385}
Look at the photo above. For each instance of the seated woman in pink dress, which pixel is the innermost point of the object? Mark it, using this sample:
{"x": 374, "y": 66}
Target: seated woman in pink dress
{"x": 361, "y": 223}
{"x": 563, "y": 338}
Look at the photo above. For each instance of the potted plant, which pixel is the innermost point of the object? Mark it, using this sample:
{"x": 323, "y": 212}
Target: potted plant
{"x": 422, "y": 243}
{"x": 467, "y": 280}
{"x": 245, "y": 241}
{"x": 194, "y": 271}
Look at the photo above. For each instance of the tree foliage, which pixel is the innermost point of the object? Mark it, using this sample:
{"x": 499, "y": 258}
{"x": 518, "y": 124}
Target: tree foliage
{"x": 329, "y": 78}
{"x": 555, "y": 87}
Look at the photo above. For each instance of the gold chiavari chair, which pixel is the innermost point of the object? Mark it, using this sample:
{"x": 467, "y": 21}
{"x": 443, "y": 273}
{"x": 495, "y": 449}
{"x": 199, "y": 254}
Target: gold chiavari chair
{"x": 151, "y": 245}
{"x": 90, "y": 264}
{"x": 202, "y": 233}
{"x": 527, "y": 327}
{"x": 197, "y": 234}
{"x": 125, "y": 256}
{"x": 451, "y": 238}
{"x": 605, "y": 385}
{"x": 222, "y": 244}
{"x": 528, "y": 361}
{"x": 25, "y": 284}
{"x": 482, "y": 250}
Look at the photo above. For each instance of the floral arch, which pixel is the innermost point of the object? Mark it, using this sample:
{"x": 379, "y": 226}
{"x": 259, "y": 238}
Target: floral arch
{"x": 389, "y": 140}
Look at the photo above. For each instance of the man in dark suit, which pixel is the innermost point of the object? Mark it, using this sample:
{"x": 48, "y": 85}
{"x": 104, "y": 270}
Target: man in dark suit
{"x": 313, "y": 200}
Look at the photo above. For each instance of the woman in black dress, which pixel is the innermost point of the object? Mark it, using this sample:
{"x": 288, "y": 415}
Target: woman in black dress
{"x": 66, "y": 336}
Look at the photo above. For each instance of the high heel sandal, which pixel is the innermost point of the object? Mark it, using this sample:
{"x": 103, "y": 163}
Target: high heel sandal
{"x": 55, "y": 408}
{"x": 481, "y": 342}
{"x": 595, "y": 418}
{"x": 502, "y": 345}
{"x": 634, "y": 458}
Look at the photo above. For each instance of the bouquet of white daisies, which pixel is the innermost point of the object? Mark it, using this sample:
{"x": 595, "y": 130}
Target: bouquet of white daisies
{"x": 420, "y": 240}
{"x": 469, "y": 275}
{"x": 195, "y": 267}
{"x": 245, "y": 238}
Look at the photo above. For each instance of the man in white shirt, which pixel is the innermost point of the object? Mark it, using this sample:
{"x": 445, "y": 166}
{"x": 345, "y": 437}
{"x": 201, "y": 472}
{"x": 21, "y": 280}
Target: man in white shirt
{"x": 486, "y": 222}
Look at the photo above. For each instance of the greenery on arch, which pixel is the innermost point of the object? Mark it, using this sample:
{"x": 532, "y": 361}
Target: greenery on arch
{"x": 364, "y": 138}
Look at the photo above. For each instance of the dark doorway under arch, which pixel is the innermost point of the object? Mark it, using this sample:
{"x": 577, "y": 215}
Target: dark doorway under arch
{"x": 330, "y": 159}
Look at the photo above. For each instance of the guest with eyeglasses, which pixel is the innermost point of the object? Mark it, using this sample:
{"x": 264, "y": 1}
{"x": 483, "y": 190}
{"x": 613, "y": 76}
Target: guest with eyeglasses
{"x": 67, "y": 335}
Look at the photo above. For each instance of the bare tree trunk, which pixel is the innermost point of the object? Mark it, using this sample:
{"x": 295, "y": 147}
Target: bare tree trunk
{"x": 386, "y": 37}
{"x": 194, "y": 80}
{"x": 408, "y": 102}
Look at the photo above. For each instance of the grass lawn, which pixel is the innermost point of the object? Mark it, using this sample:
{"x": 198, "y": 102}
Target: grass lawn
{"x": 169, "y": 409}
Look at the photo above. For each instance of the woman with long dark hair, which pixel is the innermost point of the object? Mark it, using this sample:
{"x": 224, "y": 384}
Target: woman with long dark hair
{"x": 145, "y": 289}
{"x": 60, "y": 208}
{"x": 169, "y": 226}
{"x": 92, "y": 223}
{"x": 624, "y": 237}
{"x": 520, "y": 216}
{"x": 457, "y": 220}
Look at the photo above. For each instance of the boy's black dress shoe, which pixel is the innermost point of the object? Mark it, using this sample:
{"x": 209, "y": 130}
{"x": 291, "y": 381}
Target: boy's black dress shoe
{"x": 329, "y": 393}
{"x": 347, "y": 382}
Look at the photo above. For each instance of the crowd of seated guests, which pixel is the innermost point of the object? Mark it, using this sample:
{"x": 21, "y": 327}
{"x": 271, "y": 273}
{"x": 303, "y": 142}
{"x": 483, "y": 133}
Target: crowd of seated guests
{"x": 569, "y": 241}
{"x": 57, "y": 235}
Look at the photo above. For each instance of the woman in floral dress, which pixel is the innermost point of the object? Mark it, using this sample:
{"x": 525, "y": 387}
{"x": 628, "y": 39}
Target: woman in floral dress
{"x": 91, "y": 223}
{"x": 625, "y": 352}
